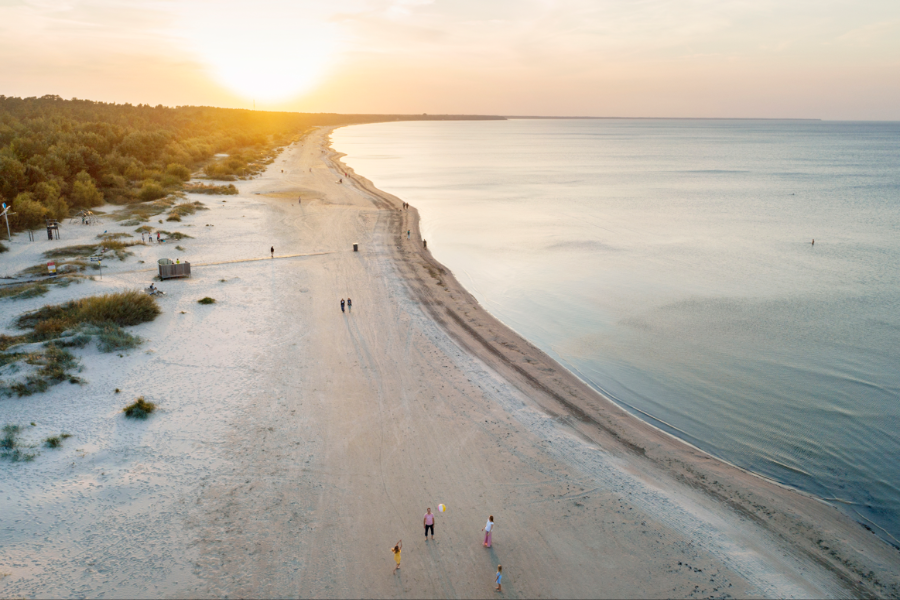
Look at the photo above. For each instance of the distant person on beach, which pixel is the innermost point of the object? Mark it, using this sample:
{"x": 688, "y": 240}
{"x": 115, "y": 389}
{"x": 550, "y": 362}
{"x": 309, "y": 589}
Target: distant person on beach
{"x": 142, "y": 237}
{"x": 498, "y": 577}
{"x": 349, "y": 305}
{"x": 157, "y": 237}
{"x": 396, "y": 550}
{"x": 488, "y": 528}
{"x": 424, "y": 243}
{"x": 342, "y": 180}
{"x": 300, "y": 200}
{"x": 407, "y": 234}
{"x": 429, "y": 524}
{"x": 342, "y": 305}
{"x": 814, "y": 242}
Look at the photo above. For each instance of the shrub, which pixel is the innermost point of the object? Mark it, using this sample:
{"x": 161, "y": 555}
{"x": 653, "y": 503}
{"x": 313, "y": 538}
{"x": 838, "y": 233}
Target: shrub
{"x": 179, "y": 171}
{"x": 56, "y": 441}
{"x": 112, "y": 338}
{"x": 152, "y": 191}
{"x": 206, "y": 300}
{"x": 174, "y": 217}
{"x": 139, "y": 409}
{"x": 121, "y": 308}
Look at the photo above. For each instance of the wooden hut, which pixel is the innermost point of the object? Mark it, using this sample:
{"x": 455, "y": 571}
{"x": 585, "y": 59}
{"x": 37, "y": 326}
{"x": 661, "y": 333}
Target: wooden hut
{"x": 169, "y": 269}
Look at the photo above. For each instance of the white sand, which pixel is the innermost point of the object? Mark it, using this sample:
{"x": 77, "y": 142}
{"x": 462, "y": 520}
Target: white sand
{"x": 295, "y": 444}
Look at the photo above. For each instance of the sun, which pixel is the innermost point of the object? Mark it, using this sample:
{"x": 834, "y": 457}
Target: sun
{"x": 268, "y": 62}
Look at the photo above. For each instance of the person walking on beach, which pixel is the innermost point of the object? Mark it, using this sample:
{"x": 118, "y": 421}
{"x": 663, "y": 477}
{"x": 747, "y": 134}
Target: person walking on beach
{"x": 349, "y": 305}
{"x": 157, "y": 237}
{"x": 396, "y": 550}
{"x": 407, "y": 233}
{"x": 488, "y": 528}
{"x": 498, "y": 577}
{"x": 272, "y": 251}
{"x": 429, "y": 524}
{"x": 342, "y": 305}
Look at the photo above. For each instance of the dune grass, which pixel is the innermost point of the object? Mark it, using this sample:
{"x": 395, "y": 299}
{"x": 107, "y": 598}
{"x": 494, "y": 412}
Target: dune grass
{"x": 100, "y": 317}
{"x": 55, "y": 441}
{"x": 219, "y": 190}
{"x": 139, "y": 409}
{"x": 10, "y": 447}
{"x": 206, "y": 300}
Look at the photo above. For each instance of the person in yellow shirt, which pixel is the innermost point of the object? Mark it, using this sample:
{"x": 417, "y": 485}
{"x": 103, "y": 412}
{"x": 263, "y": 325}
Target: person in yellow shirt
{"x": 396, "y": 550}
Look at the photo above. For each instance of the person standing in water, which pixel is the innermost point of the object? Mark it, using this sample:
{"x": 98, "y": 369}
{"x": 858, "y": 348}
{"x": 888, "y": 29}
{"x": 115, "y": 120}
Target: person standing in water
{"x": 342, "y": 305}
{"x": 349, "y": 305}
{"x": 429, "y": 524}
{"x": 487, "y": 529}
{"x": 396, "y": 550}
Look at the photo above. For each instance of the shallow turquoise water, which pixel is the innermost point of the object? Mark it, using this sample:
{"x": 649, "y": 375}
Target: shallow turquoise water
{"x": 670, "y": 265}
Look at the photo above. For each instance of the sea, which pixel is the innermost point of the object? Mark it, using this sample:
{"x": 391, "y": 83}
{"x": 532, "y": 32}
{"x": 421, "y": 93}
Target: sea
{"x": 670, "y": 264}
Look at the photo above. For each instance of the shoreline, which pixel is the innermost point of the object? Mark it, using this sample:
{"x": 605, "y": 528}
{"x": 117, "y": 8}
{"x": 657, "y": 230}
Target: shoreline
{"x": 613, "y": 425}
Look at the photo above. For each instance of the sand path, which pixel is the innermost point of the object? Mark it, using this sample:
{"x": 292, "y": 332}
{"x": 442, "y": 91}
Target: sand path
{"x": 296, "y": 443}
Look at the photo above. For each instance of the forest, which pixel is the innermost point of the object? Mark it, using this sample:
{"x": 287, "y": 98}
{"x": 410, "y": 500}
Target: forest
{"x": 59, "y": 156}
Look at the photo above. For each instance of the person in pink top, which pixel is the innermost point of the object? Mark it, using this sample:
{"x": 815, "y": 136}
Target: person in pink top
{"x": 429, "y": 524}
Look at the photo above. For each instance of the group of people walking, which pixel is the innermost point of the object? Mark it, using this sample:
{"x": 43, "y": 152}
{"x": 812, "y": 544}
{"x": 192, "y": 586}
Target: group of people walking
{"x": 349, "y": 304}
{"x": 428, "y": 523}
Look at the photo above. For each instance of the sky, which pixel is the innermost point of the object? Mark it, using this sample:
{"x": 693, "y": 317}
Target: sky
{"x": 829, "y": 59}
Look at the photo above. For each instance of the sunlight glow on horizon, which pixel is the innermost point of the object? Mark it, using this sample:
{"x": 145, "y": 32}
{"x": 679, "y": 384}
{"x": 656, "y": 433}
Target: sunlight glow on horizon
{"x": 833, "y": 59}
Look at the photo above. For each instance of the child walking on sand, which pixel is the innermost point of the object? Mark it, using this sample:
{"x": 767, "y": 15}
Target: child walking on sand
{"x": 498, "y": 577}
{"x": 489, "y": 526}
{"x": 396, "y": 550}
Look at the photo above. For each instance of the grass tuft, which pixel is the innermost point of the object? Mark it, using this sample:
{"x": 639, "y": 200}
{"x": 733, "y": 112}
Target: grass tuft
{"x": 55, "y": 441}
{"x": 139, "y": 409}
{"x": 206, "y": 300}
{"x": 10, "y": 448}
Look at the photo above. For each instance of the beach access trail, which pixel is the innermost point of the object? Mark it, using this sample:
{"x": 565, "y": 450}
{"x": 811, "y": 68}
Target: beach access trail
{"x": 297, "y": 443}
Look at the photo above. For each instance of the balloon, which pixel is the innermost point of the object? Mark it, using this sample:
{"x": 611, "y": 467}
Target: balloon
{"x": 441, "y": 507}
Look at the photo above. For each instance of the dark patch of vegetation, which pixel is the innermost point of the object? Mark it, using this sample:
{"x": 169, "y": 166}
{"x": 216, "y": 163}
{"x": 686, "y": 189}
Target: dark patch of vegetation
{"x": 55, "y": 366}
{"x": 55, "y": 441}
{"x": 175, "y": 235}
{"x": 100, "y": 317}
{"x": 139, "y": 409}
{"x": 112, "y": 338}
{"x": 201, "y": 188}
{"x": 26, "y": 290}
{"x": 184, "y": 209}
{"x": 10, "y": 448}
{"x": 108, "y": 236}
{"x": 143, "y": 229}
{"x": 179, "y": 248}
{"x": 3, "y": 248}
{"x": 121, "y": 308}
{"x": 68, "y": 251}
{"x": 206, "y": 300}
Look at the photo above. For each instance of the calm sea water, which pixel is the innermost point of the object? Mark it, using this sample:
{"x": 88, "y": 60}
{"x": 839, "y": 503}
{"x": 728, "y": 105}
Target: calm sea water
{"x": 670, "y": 265}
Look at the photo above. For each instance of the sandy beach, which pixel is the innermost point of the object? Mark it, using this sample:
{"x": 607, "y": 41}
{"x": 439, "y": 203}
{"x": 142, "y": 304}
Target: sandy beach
{"x": 296, "y": 443}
